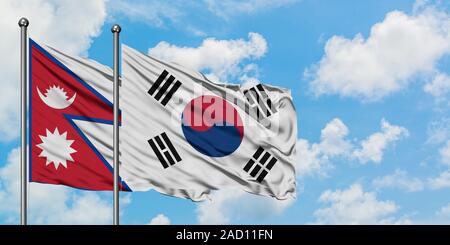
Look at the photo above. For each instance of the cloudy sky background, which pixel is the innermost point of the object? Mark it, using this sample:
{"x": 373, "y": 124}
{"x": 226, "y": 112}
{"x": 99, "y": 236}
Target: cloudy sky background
{"x": 370, "y": 81}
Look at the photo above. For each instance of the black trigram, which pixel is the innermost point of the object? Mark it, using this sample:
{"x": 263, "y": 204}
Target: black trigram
{"x": 161, "y": 85}
{"x": 164, "y": 150}
{"x": 257, "y": 166}
{"x": 260, "y": 101}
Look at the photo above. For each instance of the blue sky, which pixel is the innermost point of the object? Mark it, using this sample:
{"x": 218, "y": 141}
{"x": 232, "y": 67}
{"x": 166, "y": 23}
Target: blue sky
{"x": 369, "y": 81}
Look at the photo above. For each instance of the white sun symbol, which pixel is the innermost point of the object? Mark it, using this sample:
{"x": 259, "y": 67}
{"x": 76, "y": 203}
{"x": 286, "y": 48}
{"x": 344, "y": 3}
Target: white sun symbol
{"x": 56, "y": 148}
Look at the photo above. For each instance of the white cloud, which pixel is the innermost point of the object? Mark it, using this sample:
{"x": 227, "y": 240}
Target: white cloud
{"x": 9, "y": 183}
{"x": 310, "y": 160}
{"x": 333, "y": 140}
{"x": 439, "y": 86}
{"x": 444, "y": 211}
{"x": 441, "y": 181}
{"x": 439, "y": 131}
{"x": 373, "y": 147}
{"x": 86, "y": 208}
{"x": 397, "y": 49}
{"x": 67, "y": 25}
{"x": 160, "y": 219}
{"x": 399, "y": 179}
{"x": 230, "y": 206}
{"x": 354, "y": 206}
{"x": 314, "y": 158}
{"x": 445, "y": 153}
{"x": 50, "y": 204}
{"x": 228, "y": 8}
{"x": 9, "y": 108}
{"x": 205, "y": 57}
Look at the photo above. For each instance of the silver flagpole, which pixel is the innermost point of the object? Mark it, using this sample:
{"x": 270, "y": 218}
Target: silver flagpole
{"x": 116, "y": 30}
{"x": 23, "y": 23}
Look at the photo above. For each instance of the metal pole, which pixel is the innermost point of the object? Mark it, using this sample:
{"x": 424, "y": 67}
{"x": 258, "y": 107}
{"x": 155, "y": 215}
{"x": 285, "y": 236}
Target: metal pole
{"x": 23, "y": 23}
{"x": 116, "y": 30}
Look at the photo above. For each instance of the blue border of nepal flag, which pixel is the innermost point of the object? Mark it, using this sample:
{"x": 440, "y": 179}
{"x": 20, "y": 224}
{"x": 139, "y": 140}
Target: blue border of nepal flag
{"x": 184, "y": 135}
{"x": 180, "y": 134}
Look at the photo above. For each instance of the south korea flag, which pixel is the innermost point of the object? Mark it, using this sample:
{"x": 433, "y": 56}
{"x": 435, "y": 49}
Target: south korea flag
{"x": 184, "y": 135}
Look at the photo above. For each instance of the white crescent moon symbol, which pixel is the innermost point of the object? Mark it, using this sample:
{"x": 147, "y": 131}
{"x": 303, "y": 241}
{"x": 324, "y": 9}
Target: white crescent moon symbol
{"x": 56, "y": 102}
